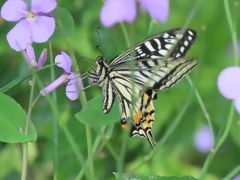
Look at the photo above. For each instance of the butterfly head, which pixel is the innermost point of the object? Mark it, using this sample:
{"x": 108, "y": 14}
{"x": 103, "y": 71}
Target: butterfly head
{"x": 97, "y": 76}
{"x": 100, "y": 61}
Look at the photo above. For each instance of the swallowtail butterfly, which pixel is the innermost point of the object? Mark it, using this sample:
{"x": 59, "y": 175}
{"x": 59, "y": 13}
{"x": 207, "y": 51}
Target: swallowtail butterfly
{"x": 135, "y": 75}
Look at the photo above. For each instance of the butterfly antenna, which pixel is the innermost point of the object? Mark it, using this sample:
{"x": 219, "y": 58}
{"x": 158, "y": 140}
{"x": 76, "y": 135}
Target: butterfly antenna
{"x": 83, "y": 89}
{"x": 99, "y": 47}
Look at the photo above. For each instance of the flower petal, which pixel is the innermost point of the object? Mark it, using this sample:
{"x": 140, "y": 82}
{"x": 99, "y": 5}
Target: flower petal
{"x": 30, "y": 56}
{"x": 64, "y": 61}
{"x": 44, "y": 6}
{"x": 42, "y": 59}
{"x": 158, "y": 9}
{"x": 114, "y": 11}
{"x": 42, "y": 28}
{"x": 74, "y": 86}
{"x": 237, "y": 104}
{"x": 14, "y": 10}
{"x": 204, "y": 139}
{"x": 19, "y": 37}
{"x": 55, "y": 84}
{"x": 229, "y": 82}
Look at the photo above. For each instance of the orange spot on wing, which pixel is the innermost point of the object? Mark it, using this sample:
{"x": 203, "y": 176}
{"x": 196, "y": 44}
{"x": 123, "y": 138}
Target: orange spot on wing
{"x": 137, "y": 117}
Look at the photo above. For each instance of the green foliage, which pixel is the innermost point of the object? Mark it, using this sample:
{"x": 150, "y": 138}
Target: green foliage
{"x": 8, "y": 154}
{"x": 14, "y": 83}
{"x": 142, "y": 177}
{"x": 88, "y": 154}
{"x": 64, "y": 23}
{"x": 92, "y": 114}
{"x": 12, "y": 122}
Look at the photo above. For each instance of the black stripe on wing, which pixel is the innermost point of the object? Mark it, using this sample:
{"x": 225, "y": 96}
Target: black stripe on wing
{"x": 173, "y": 43}
{"x": 175, "y": 74}
{"x": 163, "y": 76}
{"x": 144, "y": 118}
{"x": 109, "y": 96}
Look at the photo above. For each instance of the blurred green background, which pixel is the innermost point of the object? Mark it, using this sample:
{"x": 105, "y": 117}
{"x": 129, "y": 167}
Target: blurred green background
{"x": 177, "y": 156}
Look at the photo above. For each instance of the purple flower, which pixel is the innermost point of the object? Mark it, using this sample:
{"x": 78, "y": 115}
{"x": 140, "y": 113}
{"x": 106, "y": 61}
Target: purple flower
{"x": 237, "y": 104}
{"x": 229, "y": 84}
{"x": 29, "y": 56}
{"x": 114, "y": 11}
{"x": 74, "y": 82}
{"x": 236, "y": 178}
{"x": 204, "y": 139}
{"x": 36, "y": 24}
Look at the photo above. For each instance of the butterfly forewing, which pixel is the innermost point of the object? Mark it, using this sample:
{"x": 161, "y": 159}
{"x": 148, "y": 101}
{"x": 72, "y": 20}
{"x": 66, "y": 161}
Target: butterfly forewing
{"x": 173, "y": 43}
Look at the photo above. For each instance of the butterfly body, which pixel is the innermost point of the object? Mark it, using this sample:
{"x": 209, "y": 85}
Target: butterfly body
{"x": 134, "y": 76}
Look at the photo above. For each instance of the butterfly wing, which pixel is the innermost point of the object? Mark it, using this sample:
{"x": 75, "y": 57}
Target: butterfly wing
{"x": 109, "y": 95}
{"x": 143, "y": 119}
{"x": 171, "y": 44}
{"x": 157, "y": 62}
{"x": 129, "y": 95}
{"x": 161, "y": 76}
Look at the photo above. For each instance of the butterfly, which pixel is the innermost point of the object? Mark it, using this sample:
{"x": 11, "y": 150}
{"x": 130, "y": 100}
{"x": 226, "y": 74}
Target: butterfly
{"x": 135, "y": 75}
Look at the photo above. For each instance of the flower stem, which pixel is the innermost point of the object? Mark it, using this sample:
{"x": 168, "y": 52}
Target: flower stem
{"x": 73, "y": 144}
{"x": 233, "y": 173}
{"x": 95, "y": 147}
{"x": 123, "y": 27}
{"x": 55, "y": 119}
{"x": 151, "y": 26}
{"x": 202, "y": 105}
{"x": 231, "y": 112}
{"x": 120, "y": 160}
{"x": 83, "y": 100}
{"x": 219, "y": 143}
{"x": 233, "y": 31}
{"x": 25, "y": 145}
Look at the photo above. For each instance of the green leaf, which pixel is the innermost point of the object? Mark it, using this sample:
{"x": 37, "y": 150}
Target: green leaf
{"x": 153, "y": 177}
{"x": 64, "y": 23}
{"x": 12, "y": 122}
{"x": 92, "y": 115}
{"x": 14, "y": 82}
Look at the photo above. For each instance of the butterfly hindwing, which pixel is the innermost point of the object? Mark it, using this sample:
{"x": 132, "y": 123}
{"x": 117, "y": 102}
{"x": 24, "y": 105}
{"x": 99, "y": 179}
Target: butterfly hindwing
{"x": 143, "y": 119}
